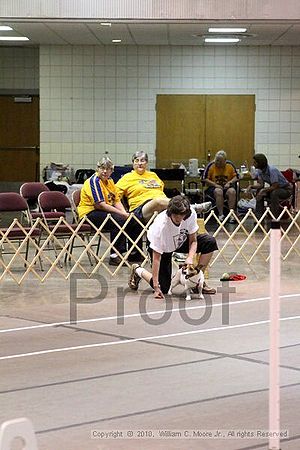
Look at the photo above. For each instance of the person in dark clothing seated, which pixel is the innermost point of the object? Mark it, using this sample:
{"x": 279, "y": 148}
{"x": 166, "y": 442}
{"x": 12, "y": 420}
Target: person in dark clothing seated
{"x": 278, "y": 189}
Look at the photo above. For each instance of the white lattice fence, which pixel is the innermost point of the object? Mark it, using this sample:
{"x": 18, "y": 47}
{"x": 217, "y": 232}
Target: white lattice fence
{"x": 52, "y": 252}
{"x": 241, "y": 243}
{"x": 249, "y": 238}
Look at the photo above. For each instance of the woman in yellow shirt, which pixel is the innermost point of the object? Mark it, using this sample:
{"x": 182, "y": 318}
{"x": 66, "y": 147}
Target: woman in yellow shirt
{"x": 143, "y": 189}
{"x": 98, "y": 198}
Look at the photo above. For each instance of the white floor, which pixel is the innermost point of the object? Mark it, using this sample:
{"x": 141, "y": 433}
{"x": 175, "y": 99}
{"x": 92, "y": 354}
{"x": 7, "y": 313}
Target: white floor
{"x": 126, "y": 367}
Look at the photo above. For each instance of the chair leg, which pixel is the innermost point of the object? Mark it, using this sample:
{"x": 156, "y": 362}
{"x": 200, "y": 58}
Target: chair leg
{"x": 26, "y": 253}
{"x": 38, "y": 243}
{"x": 69, "y": 250}
{"x": 98, "y": 246}
{"x": 86, "y": 237}
{"x": 40, "y": 258}
{"x": 56, "y": 254}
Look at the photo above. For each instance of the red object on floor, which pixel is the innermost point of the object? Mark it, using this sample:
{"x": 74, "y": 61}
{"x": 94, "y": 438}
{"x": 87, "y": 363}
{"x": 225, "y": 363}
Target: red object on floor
{"x": 237, "y": 277}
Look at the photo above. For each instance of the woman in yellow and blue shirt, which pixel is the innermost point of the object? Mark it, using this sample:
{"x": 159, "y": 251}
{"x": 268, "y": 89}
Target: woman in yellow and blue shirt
{"x": 98, "y": 198}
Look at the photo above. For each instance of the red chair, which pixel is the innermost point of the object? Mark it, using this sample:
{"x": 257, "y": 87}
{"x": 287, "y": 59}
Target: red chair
{"x": 14, "y": 202}
{"x": 57, "y": 202}
{"x": 75, "y": 203}
{"x": 290, "y": 202}
{"x": 30, "y": 191}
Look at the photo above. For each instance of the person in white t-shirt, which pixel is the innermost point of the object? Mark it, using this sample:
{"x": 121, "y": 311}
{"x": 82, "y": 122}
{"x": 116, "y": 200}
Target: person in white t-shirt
{"x": 173, "y": 229}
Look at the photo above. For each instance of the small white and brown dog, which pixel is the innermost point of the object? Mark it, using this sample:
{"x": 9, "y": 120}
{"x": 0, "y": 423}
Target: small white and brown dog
{"x": 190, "y": 277}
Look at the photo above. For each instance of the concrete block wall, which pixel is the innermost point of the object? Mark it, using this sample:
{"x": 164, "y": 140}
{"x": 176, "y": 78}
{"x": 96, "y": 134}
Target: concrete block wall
{"x": 19, "y": 69}
{"x": 97, "y": 99}
{"x": 102, "y": 98}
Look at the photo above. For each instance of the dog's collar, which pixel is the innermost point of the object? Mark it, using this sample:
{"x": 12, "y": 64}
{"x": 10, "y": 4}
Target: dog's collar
{"x": 195, "y": 282}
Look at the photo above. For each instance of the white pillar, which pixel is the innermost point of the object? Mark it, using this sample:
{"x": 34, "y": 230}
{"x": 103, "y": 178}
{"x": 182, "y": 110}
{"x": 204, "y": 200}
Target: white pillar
{"x": 274, "y": 390}
{"x": 17, "y": 428}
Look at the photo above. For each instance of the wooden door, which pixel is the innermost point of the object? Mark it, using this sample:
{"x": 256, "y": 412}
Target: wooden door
{"x": 19, "y": 139}
{"x": 180, "y": 125}
{"x": 230, "y": 126}
{"x": 191, "y": 126}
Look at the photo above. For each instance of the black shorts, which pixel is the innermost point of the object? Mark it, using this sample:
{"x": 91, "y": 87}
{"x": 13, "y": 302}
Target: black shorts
{"x": 205, "y": 244}
{"x": 138, "y": 211}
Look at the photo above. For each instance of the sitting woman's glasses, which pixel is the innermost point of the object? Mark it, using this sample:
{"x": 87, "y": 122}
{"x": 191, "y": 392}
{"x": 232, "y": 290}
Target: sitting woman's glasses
{"x": 108, "y": 169}
{"x": 137, "y": 160}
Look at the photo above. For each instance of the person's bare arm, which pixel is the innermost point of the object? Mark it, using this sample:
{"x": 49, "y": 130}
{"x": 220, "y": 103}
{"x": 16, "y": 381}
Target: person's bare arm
{"x": 192, "y": 248}
{"x": 209, "y": 182}
{"x": 272, "y": 187}
{"x": 231, "y": 182}
{"x": 258, "y": 186}
{"x": 120, "y": 207}
{"x": 155, "y": 270}
{"x": 102, "y": 206}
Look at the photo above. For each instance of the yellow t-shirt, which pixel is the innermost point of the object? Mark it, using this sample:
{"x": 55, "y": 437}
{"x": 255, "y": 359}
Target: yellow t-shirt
{"x": 221, "y": 175}
{"x": 95, "y": 190}
{"x": 140, "y": 188}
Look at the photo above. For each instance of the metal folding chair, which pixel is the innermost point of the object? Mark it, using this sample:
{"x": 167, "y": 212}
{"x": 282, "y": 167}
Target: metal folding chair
{"x": 12, "y": 202}
{"x": 59, "y": 228}
{"x": 292, "y": 201}
{"x": 75, "y": 202}
{"x": 30, "y": 191}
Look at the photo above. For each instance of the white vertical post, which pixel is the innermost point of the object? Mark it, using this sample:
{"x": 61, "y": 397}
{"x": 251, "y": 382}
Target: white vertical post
{"x": 274, "y": 389}
{"x": 21, "y": 429}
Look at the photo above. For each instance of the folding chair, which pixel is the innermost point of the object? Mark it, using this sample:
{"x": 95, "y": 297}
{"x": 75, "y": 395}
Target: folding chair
{"x": 30, "y": 191}
{"x": 291, "y": 202}
{"x": 55, "y": 201}
{"x": 75, "y": 202}
{"x": 12, "y": 202}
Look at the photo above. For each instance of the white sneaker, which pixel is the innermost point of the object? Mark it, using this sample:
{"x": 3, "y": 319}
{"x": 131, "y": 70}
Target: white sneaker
{"x": 221, "y": 217}
{"x": 231, "y": 219}
{"x": 134, "y": 278}
{"x": 201, "y": 207}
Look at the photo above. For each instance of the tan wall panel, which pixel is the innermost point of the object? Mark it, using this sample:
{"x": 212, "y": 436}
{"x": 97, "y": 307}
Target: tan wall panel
{"x": 188, "y": 126}
{"x": 230, "y": 126}
{"x": 180, "y": 128}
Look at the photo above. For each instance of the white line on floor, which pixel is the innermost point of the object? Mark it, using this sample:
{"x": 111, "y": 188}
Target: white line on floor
{"x": 146, "y": 338}
{"x": 148, "y": 313}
